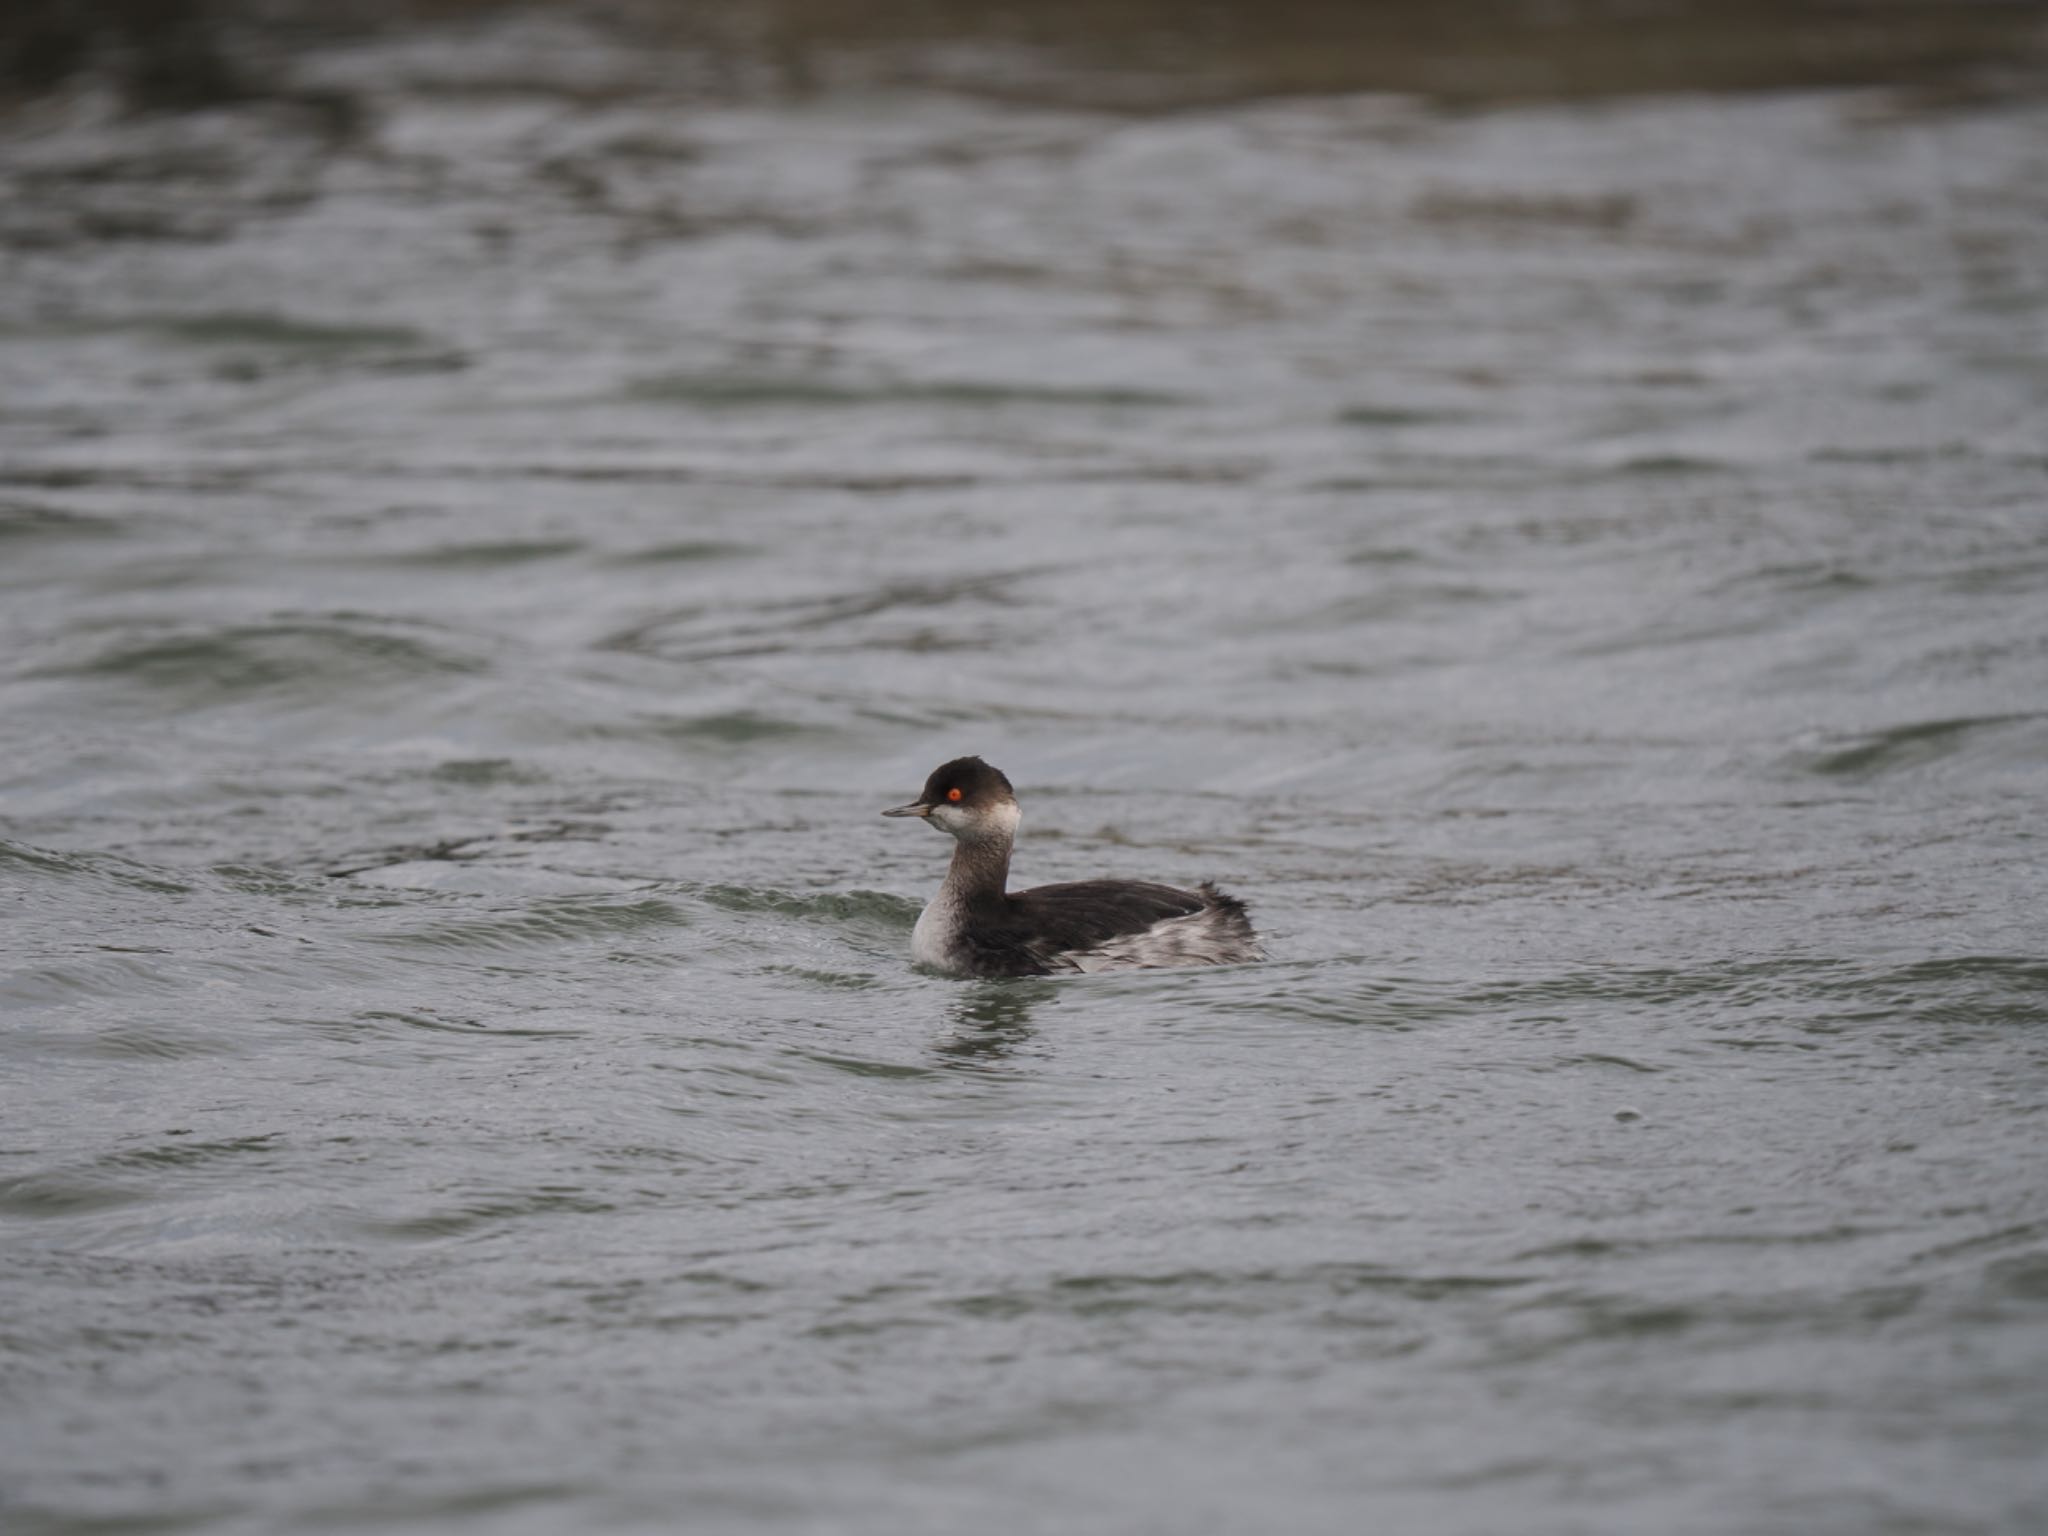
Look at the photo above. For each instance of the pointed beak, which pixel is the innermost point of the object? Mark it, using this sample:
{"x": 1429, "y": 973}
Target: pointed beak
{"x": 915, "y": 808}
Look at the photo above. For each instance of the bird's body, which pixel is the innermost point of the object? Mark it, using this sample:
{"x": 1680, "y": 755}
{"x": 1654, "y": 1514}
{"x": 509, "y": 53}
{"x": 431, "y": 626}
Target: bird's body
{"x": 975, "y": 926}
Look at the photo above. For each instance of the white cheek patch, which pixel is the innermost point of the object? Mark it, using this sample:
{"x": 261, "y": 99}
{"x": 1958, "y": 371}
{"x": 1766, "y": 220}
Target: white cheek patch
{"x": 994, "y": 821}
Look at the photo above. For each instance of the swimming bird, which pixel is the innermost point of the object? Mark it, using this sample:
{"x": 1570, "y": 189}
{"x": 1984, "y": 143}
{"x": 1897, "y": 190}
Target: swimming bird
{"x": 976, "y": 927}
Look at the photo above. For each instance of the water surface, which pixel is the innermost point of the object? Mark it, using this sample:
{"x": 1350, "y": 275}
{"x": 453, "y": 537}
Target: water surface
{"x": 467, "y": 586}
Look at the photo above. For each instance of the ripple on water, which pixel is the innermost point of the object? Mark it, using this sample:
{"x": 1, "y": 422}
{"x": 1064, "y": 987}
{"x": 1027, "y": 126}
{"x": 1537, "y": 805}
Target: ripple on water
{"x": 230, "y": 327}
{"x": 486, "y": 772}
{"x": 297, "y": 660}
{"x": 153, "y": 1041}
{"x": 477, "y": 1214}
{"x": 68, "y": 1193}
{"x": 685, "y": 552}
{"x": 720, "y": 728}
{"x": 1921, "y": 743}
{"x": 375, "y": 1023}
{"x": 557, "y": 920}
{"x": 1242, "y": 1293}
{"x": 483, "y": 556}
{"x": 30, "y": 862}
{"x": 25, "y": 522}
{"x": 896, "y": 913}
{"x": 736, "y": 391}
{"x": 695, "y": 633}
{"x": 183, "y": 1154}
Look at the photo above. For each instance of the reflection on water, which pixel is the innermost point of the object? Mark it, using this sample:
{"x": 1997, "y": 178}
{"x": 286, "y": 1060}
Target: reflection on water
{"x": 493, "y": 504}
{"x": 991, "y": 1021}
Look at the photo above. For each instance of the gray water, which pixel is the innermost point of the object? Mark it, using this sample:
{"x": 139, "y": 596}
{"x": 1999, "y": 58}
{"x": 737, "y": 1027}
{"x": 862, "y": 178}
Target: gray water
{"x": 1580, "y": 572}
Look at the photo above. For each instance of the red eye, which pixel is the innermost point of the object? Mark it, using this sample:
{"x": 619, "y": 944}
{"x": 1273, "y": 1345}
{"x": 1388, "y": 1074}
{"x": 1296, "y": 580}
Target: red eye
{"x": 953, "y": 795}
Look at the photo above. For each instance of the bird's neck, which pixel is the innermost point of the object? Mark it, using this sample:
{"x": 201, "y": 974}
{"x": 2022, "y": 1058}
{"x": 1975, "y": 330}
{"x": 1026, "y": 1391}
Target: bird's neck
{"x": 980, "y": 869}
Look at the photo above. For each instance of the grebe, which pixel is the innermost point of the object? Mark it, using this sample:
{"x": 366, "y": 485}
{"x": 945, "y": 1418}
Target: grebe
{"x": 974, "y": 927}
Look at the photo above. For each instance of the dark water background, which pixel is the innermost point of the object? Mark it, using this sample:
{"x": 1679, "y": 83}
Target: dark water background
{"x": 490, "y": 507}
